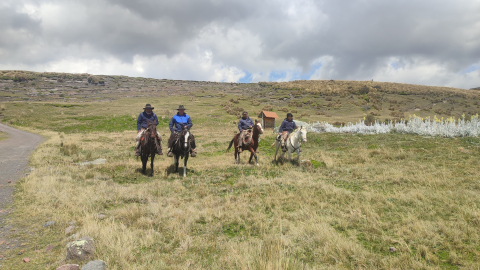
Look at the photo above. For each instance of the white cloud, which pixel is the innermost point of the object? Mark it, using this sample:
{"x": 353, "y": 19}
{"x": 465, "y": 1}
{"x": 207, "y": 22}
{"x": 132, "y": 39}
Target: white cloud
{"x": 429, "y": 42}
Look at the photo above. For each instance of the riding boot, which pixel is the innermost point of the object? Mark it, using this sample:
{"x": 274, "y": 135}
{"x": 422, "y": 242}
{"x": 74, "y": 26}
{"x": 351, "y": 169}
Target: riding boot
{"x": 169, "y": 153}
{"x": 193, "y": 153}
{"x": 137, "y": 149}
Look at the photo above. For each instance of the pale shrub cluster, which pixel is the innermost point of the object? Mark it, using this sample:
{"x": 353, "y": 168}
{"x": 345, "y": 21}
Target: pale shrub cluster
{"x": 450, "y": 127}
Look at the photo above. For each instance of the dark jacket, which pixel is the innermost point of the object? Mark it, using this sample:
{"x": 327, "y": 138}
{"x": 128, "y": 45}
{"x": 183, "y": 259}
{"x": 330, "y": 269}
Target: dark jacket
{"x": 287, "y": 126}
{"x": 244, "y": 124}
{"x": 144, "y": 117}
{"x": 178, "y": 122}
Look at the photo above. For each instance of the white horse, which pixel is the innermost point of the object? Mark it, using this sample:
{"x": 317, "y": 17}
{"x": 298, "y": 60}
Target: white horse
{"x": 293, "y": 143}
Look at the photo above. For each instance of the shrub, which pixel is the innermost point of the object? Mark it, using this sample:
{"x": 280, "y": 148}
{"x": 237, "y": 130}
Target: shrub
{"x": 93, "y": 79}
{"x": 369, "y": 120}
{"x": 267, "y": 108}
{"x": 255, "y": 103}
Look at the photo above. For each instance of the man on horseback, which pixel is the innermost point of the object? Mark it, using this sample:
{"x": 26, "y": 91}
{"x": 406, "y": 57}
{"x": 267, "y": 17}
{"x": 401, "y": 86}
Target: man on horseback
{"x": 179, "y": 122}
{"x": 287, "y": 126}
{"x": 142, "y": 124}
{"x": 244, "y": 126}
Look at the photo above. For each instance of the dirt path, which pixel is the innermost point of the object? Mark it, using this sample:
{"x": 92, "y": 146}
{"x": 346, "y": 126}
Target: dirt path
{"x": 14, "y": 154}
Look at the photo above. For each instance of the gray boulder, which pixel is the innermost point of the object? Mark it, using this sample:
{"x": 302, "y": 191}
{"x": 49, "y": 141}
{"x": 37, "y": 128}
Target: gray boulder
{"x": 95, "y": 265}
{"x": 81, "y": 249}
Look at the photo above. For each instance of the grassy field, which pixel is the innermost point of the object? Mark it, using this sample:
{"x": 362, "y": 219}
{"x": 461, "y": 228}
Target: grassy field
{"x": 357, "y": 197}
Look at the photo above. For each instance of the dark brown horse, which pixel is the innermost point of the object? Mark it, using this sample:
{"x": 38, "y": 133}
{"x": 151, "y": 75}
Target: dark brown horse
{"x": 252, "y": 147}
{"x": 148, "y": 146}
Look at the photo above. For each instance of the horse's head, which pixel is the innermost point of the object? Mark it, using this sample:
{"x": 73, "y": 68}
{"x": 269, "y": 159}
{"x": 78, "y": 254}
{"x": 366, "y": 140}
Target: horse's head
{"x": 303, "y": 133}
{"x": 259, "y": 127}
{"x": 152, "y": 128}
{"x": 184, "y": 135}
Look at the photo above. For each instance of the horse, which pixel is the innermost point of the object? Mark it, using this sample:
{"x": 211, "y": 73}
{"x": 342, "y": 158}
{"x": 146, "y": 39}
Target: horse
{"x": 252, "y": 147}
{"x": 148, "y": 146}
{"x": 181, "y": 148}
{"x": 292, "y": 143}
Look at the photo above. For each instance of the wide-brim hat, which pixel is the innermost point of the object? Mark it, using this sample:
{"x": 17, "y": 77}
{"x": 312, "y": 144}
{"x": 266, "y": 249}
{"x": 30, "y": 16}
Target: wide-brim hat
{"x": 181, "y": 107}
{"x": 148, "y": 106}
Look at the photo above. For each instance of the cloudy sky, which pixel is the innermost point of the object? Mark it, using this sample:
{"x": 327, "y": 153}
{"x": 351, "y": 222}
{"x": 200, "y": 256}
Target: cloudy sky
{"x": 431, "y": 42}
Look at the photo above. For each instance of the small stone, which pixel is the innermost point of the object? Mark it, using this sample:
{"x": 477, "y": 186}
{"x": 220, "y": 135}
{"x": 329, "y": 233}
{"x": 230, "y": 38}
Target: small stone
{"x": 71, "y": 223}
{"x": 69, "y": 230}
{"x": 69, "y": 267}
{"x": 95, "y": 265}
{"x": 81, "y": 249}
{"x": 101, "y": 216}
{"x": 20, "y": 253}
{"x": 49, "y": 248}
{"x": 26, "y": 260}
{"x": 9, "y": 181}
{"x": 48, "y": 224}
{"x": 392, "y": 249}
{"x": 73, "y": 236}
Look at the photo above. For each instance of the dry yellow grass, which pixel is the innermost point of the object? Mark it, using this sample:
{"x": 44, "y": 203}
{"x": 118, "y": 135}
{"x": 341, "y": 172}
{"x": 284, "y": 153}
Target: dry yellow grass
{"x": 371, "y": 194}
{"x": 360, "y": 195}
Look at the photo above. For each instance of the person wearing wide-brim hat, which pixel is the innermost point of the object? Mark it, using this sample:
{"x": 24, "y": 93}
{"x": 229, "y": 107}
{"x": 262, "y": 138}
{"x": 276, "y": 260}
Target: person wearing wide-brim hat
{"x": 142, "y": 124}
{"x": 179, "y": 122}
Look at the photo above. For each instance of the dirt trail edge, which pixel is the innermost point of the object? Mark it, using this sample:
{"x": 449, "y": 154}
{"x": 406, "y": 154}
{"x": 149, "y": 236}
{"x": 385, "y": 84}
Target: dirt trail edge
{"x": 14, "y": 154}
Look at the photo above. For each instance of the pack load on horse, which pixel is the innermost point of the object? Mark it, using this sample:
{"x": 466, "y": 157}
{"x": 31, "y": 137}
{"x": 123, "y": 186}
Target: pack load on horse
{"x": 181, "y": 142}
{"x": 142, "y": 124}
{"x": 148, "y": 146}
{"x": 290, "y": 140}
{"x": 250, "y": 143}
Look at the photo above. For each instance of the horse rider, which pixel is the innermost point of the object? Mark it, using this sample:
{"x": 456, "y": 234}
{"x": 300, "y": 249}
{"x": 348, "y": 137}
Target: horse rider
{"x": 245, "y": 124}
{"x": 287, "y": 126}
{"x": 179, "y": 122}
{"x": 142, "y": 124}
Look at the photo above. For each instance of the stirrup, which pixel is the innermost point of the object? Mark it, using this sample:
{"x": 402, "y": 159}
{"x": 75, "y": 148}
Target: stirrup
{"x": 193, "y": 153}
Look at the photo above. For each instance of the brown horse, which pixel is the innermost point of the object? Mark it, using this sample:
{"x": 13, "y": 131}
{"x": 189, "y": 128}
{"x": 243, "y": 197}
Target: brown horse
{"x": 252, "y": 147}
{"x": 148, "y": 146}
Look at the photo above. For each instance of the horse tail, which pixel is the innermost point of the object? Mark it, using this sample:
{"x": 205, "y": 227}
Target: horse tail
{"x": 230, "y": 145}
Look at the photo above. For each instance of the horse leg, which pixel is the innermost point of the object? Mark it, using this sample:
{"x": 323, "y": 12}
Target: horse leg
{"x": 256, "y": 159}
{"x": 151, "y": 163}
{"x": 276, "y": 151}
{"x": 252, "y": 152}
{"x": 175, "y": 159}
{"x": 185, "y": 165}
{"x": 144, "y": 164}
{"x": 289, "y": 155}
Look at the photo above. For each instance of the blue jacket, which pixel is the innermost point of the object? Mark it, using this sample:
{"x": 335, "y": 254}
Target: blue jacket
{"x": 142, "y": 120}
{"x": 287, "y": 126}
{"x": 244, "y": 124}
{"x": 178, "y": 122}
